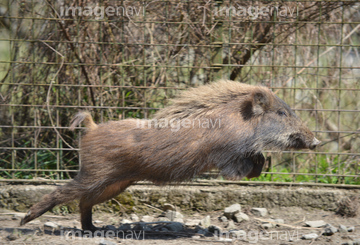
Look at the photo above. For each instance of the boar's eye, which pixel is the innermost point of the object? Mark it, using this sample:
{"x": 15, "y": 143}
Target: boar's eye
{"x": 282, "y": 113}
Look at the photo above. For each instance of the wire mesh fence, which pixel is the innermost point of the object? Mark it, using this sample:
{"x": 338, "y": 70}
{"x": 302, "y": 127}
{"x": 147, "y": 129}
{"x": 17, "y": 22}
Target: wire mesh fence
{"x": 125, "y": 59}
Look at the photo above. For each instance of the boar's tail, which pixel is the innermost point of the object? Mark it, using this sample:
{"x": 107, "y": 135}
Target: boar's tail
{"x": 85, "y": 117}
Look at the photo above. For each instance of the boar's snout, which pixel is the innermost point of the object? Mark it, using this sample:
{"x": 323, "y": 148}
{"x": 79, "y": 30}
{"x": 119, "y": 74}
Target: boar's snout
{"x": 314, "y": 143}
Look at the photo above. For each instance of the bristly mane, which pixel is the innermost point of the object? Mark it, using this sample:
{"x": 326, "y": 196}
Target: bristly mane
{"x": 196, "y": 102}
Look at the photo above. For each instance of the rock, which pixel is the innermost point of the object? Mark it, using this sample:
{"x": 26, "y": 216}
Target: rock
{"x": 125, "y": 227}
{"x": 168, "y": 206}
{"x": 17, "y": 216}
{"x": 280, "y": 221}
{"x": 230, "y": 225}
{"x": 134, "y": 218}
{"x": 343, "y": 228}
{"x": 163, "y": 219}
{"x": 51, "y": 226}
{"x": 126, "y": 221}
{"x": 147, "y": 218}
{"x": 106, "y": 242}
{"x": 192, "y": 223}
{"x": 97, "y": 222}
{"x": 196, "y": 237}
{"x": 180, "y": 220}
{"x": 231, "y": 210}
{"x": 260, "y": 212}
{"x": 163, "y": 229}
{"x": 35, "y": 222}
{"x": 110, "y": 227}
{"x": 172, "y": 215}
{"x": 222, "y": 239}
{"x": 351, "y": 229}
{"x": 238, "y": 233}
{"x": 12, "y": 237}
{"x": 316, "y": 223}
{"x": 329, "y": 230}
{"x": 267, "y": 225}
{"x": 142, "y": 227}
{"x": 175, "y": 227}
{"x": 355, "y": 242}
{"x": 240, "y": 217}
{"x": 223, "y": 219}
{"x": 214, "y": 229}
{"x": 310, "y": 236}
{"x": 203, "y": 232}
{"x": 205, "y": 222}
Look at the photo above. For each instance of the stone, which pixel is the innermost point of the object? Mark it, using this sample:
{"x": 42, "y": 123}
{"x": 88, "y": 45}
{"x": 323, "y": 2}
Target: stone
{"x": 35, "y": 222}
{"x": 126, "y": 221}
{"x": 203, "y": 232}
{"x": 223, "y": 239}
{"x": 107, "y": 242}
{"x": 168, "y": 206}
{"x": 192, "y": 223}
{"x": 260, "y": 212}
{"x": 125, "y": 227}
{"x": 240, "y": 217}
{"x": 134, "y": 218}
{"x": 51, "y": 226}
{"x": 175, "y": 227}
{"x": 310, "y": 236}
{"x": 172, "y": 215}
{"x": 97, "y": 222}
{"x": 223, "y": 218}
{"x": 280, "y": 221}
{"x": 110, "y": 227}
{"x": 343, "y": 228}
{"x": 147, "y": 218}
{"x": 230, "y": 225}
{"x": 351, "y": 229}
{"x": 238, "y": 233}
{"x": 205, "y": 222}
{"x": 142, "y": 227}
{"x": 267, "y": 225}
{"x": 180, "y": 220}
{"x": 214, "y": 229}
{"x": 355, "y": 242}
{"x": 12, "y": 237}
{"x": 315, "y": 223}
{"x": 329, "y": 230}
{"x": 231, "y": 210}
{"x": 163, "y": 219}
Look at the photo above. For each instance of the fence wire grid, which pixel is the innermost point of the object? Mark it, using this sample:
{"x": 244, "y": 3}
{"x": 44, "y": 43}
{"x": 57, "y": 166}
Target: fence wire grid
{"x": 125, "y": 59}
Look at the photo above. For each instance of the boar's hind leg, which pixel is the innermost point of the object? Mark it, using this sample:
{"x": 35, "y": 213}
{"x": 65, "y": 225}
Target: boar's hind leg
{"x": 257, "y": 162}
{"x": 87, "y": 202}
{"x": 61, "y": 195}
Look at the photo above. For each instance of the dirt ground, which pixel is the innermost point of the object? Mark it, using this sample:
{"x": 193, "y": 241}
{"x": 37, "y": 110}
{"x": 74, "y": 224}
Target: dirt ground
{"x": 288, "y": 233}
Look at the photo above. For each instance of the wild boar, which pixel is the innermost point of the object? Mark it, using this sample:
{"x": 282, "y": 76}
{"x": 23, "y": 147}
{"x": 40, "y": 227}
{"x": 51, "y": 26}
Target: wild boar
{"x": 222, "y": 125}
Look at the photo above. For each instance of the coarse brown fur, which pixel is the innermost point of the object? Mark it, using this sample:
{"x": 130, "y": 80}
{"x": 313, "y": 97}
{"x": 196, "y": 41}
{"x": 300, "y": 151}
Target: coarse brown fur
{"x": 222, "y": 125}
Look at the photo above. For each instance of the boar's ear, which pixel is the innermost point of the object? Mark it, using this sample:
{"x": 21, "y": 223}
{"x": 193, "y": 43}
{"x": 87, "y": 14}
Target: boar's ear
{"x": 261, "y": 102}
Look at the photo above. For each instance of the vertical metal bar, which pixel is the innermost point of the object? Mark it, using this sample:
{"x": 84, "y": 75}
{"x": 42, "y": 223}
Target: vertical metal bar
{"x": 341, "y": 179}
{"x": 294, "y": 84}
{"x": 317, "y": 72}
{"x": 217, "y": 44}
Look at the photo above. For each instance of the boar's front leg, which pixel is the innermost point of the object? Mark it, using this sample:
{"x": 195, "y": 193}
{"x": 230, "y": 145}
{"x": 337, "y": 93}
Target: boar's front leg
{"x": 257, "y": 161}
